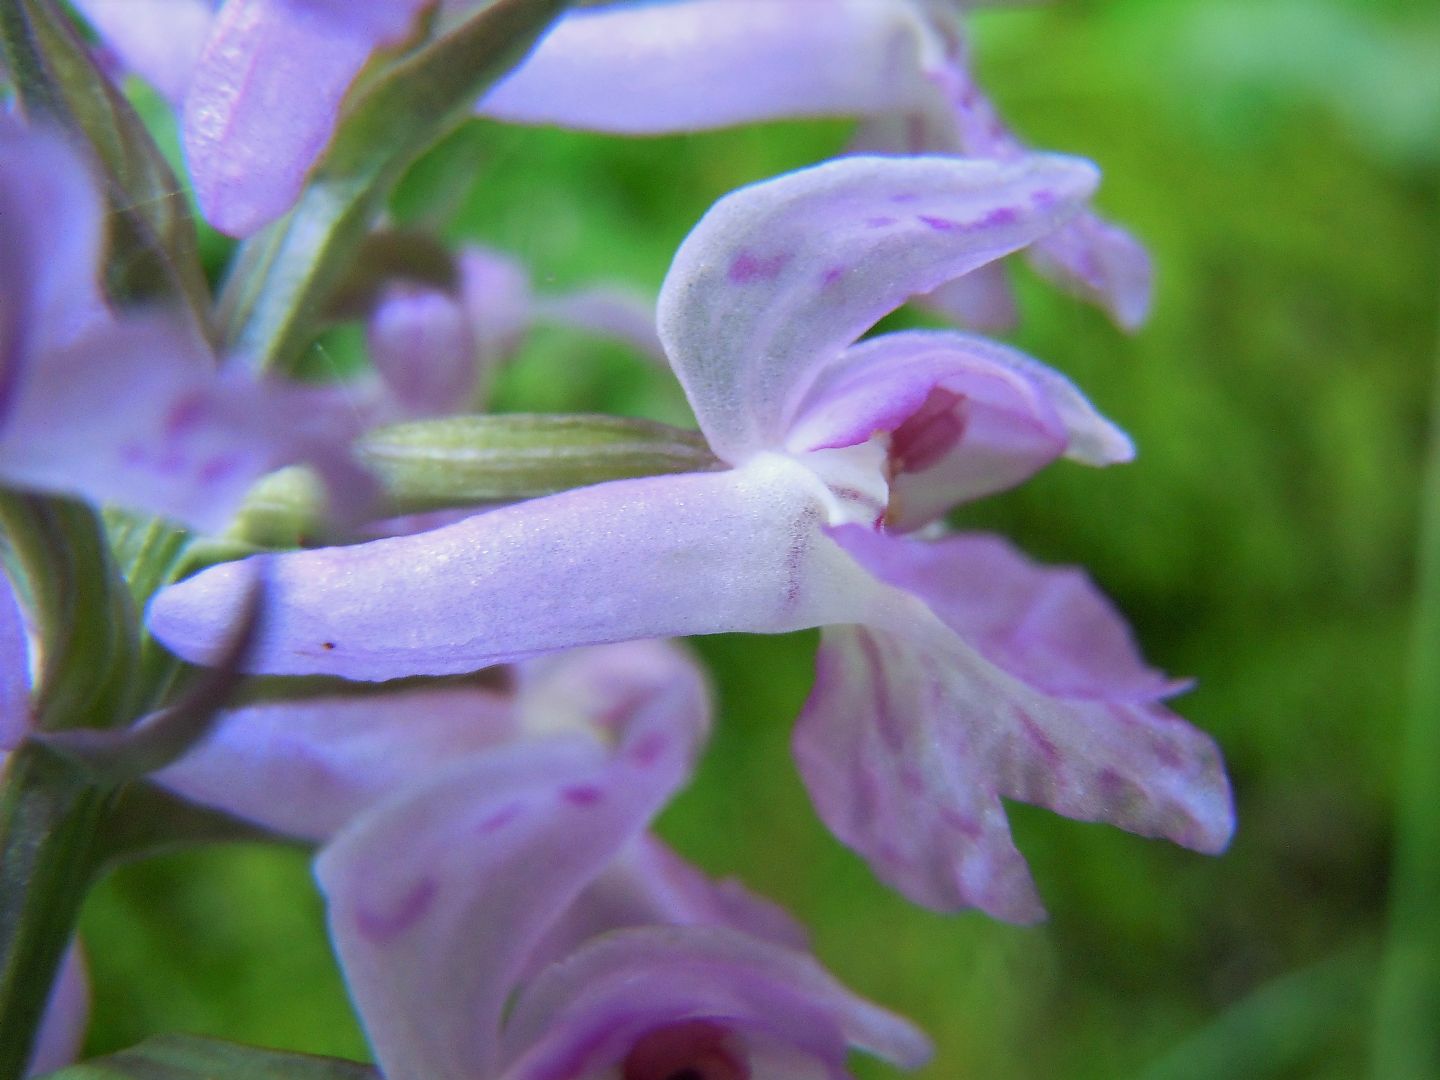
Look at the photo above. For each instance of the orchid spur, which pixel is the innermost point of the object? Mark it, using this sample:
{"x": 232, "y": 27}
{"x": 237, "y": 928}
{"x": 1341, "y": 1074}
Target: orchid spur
{"x": 930, "y": 703}
{"x": 484, "y": 841}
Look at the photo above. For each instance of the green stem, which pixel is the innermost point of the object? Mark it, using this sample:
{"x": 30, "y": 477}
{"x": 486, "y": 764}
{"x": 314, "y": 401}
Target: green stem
{"x": 49, "y": 819}
{"x": 1407, "y": 1031}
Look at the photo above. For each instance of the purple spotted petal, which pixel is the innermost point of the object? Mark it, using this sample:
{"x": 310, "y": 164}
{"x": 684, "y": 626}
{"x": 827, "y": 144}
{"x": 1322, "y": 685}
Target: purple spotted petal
{"x": 438, "y": 897}
{"x": 965, "y": 416}
{"x": 1099, "y": 262}
{"x": 131, "y": 413}
{"x": 1032, "y": 691}
{"x": 266, "y": 60}
{"x": 662, "y": 1001}
{"x": 307, "y": 767}
{"x": 67, "y": 1013}
{"x": 781, "y": 276}
{"x": 1096, "y": 260}
{"x": 423, "y": 345}
{"x": 14, "y": 668}
{"x": 159, "y": 40}
{"x": 660, "y": 68}
{"x": 892, "y": 745}
{"x": 657, "y": 557}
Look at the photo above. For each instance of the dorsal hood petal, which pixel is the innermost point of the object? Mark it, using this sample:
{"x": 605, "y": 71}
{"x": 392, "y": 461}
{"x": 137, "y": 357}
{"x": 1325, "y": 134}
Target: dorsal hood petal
{"x": 779, "y": 277}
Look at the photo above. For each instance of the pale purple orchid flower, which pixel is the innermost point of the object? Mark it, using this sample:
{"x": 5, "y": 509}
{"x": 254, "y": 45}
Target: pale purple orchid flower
{"x": 62, "y": 1031}
{"x": 436, "y": 352}
{"x": 127, "y": 408}
{"x": 934, "y": 702}
{"x": 485, "y": 843}
{"x": 899, "y": 65}
{"x": 639, "y": 68}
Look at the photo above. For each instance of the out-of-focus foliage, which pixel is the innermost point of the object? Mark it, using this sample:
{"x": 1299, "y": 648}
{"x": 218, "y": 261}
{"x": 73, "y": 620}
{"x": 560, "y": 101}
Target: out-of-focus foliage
{"x": 1282, "y": 161}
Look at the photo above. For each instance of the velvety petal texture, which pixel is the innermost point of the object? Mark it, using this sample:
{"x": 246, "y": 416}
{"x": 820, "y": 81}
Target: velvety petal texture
{"x": 1028, "y": 689}
{"x": 266, "y": 59}
{"x": 779, "y": 277}
{"x": 657, "y": 68}
{"x": 664, "y": 556}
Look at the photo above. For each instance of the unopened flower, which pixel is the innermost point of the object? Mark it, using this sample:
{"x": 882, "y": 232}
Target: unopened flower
{"x": 945, "y": 700}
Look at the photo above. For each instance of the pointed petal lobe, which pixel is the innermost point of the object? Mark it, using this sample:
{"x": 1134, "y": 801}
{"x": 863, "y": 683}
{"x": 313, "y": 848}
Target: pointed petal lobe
{"x": 781, "y": 276}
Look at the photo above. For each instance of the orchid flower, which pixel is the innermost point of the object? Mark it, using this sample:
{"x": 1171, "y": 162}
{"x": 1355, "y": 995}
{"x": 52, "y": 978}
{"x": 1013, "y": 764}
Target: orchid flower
{"x": 900, "y": 65}
{"x": 61, "y": 1032}
{"x": 635, "y": 68}
{"x": 482, "y": 841}
{"x": 434, "y": 351}
{"x": 932, "y": 702}
{"x": 125, "y": 407}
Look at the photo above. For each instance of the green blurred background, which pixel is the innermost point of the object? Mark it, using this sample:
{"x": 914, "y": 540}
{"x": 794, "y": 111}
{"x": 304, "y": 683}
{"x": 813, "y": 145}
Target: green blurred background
{"x": 1281, "y": 160}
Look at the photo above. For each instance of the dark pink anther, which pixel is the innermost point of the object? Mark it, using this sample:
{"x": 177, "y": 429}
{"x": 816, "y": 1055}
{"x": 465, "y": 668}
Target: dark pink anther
{"x": 383, "y": 925}
{"x": 689, "y": 1050}
{"x": 581, "y": 795}
{"x": 930, "y": 433}
{"x": 748, "y": 268}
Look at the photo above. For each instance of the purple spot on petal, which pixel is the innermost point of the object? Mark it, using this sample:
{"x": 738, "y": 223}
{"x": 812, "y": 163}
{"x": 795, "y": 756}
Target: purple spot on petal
{"x": 904, "y": 197}
{"x": 831, "y": 276}
{"x": 384, "y": 925}
{"x": 133, "y": 454}
{"x": 1043, "y": 199}
{"x": 965, "y": 825}
{"x": 911, "y": 779}
{"x": 1038, "y": 739}
{"x": 747, "y": 268}
{"x": 1001, "y": 215}
{"x": 581, "y": 795}
{"x": 939, "y": 224}
{"x": 648, "y": 750}
{"x": 218, "y": 468}
{"x": 498, "y": 820}
{"x": 880, "y": 222}
{"x": 185, "y": 415}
